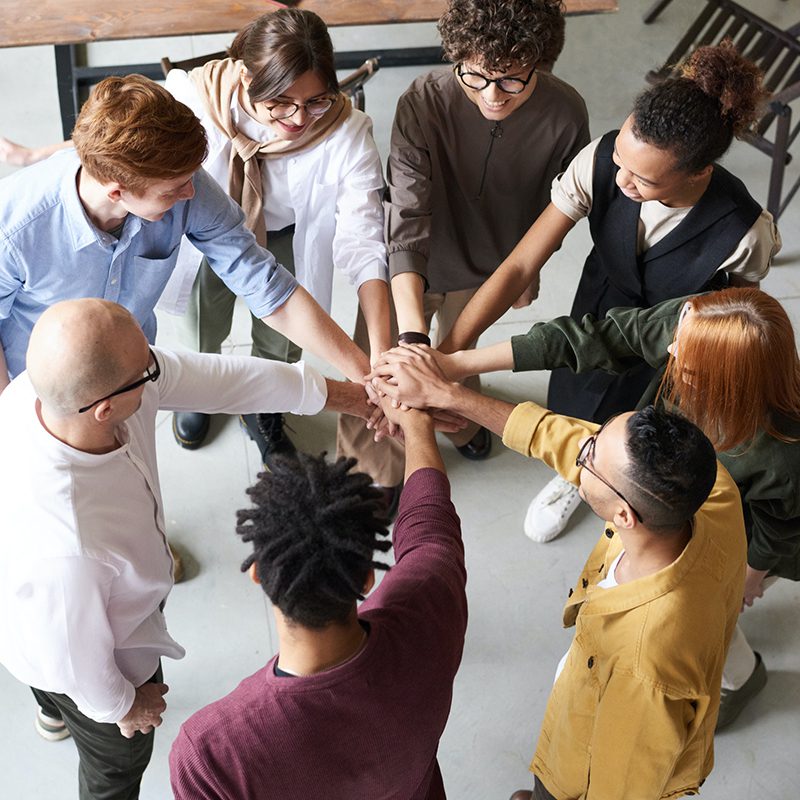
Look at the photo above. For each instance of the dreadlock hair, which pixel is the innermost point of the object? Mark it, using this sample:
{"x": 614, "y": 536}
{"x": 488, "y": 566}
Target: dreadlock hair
{"x": 314, "y": 526}
{"x": 671, "y": 467}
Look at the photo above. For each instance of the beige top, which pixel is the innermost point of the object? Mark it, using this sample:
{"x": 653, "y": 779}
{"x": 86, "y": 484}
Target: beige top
{"x": 571, "y": 194}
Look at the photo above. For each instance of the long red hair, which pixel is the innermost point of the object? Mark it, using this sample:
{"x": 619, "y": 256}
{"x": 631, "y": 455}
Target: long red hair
{"x": 734, "y": 363}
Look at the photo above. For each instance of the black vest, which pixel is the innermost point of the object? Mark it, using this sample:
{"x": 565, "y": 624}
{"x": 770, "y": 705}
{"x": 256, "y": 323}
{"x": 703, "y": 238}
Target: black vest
{"x": 684, "y": 262}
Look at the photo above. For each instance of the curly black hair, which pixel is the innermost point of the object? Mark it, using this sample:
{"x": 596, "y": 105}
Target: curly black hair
{"x": 695, "y": 115}
{"x": 671, "y": 469}
{"x": 499, "y": 33}
{"x": 314, "y": 526}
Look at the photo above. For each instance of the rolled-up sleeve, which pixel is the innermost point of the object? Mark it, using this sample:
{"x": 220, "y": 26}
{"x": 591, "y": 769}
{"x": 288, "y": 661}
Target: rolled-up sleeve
{"x": 215, "y": 226}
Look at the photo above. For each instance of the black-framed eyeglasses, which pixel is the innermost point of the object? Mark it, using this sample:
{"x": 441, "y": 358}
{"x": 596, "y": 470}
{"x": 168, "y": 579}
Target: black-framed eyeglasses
{"x": 150, "y": 374}
{"x": 474, "y": 80}
{"x": 314, "y": 108}
{"x": 586, "y": 455}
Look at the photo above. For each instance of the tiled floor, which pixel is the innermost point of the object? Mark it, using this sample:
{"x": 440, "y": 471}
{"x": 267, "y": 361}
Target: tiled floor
{"x": 516, "y": 588}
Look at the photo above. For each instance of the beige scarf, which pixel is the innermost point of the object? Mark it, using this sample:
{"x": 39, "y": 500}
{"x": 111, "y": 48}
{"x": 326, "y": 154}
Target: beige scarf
{"x": 217, "y": 82}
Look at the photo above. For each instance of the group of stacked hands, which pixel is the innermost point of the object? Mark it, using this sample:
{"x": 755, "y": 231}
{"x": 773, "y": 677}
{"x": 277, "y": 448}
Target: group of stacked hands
{"x": 252, "y": 176}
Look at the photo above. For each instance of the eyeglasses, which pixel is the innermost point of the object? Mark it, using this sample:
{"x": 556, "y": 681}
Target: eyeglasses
{"x": 314, "y": 108}
{"x": 474, "y": 80}
{"x": 586, "y": 454}
{"x": 150, "y": 374}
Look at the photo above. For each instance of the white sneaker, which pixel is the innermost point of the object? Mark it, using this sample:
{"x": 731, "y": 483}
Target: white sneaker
{"x": 551, "y": 509}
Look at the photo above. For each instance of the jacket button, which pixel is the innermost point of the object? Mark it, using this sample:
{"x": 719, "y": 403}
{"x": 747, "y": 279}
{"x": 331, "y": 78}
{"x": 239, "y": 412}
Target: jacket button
{"x": 590, "y": 662}
{"x": 585, "y": 583}
{"x": 609, "y": 533}
{"x": 570, "y": 593}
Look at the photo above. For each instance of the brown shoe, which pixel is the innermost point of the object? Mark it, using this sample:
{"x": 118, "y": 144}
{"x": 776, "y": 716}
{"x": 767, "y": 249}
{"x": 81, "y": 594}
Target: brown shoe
{"x": 177, "y": 564}
{"x": 521, "y": 794}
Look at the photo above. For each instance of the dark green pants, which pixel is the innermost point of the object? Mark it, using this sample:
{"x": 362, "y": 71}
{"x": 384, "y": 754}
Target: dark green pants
{"x": 110, "y": 766}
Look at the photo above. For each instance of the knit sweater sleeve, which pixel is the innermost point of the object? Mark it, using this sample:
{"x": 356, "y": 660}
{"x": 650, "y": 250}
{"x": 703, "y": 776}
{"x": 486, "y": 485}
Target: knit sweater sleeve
{"x": 623, "y": 337}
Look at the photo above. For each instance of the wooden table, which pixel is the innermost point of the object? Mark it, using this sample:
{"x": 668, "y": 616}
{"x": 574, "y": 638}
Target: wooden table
{"x": 67, "y": 23}
{"x": 29, "y": 22}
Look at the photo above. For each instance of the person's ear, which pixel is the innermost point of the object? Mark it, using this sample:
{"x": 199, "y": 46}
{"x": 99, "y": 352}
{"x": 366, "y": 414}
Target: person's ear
{"x": 114, "y": 191}
{"x": 253, "y": 573}
{"x": 702, "y": 174}
{"x": 624, "y": 518}
{"x": 369, "y": 583}
{"x": 103, "y": 411}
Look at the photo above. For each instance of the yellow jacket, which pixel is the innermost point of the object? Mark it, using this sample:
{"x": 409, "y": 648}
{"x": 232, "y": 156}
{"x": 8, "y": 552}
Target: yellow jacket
{"x": 632, "y": 715}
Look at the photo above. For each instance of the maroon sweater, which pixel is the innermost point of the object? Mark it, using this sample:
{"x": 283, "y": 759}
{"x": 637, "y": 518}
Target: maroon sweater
{"x": 369, "y": 729}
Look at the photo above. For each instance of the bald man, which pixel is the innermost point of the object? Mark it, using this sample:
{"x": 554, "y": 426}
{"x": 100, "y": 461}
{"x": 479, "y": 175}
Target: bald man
{"x": 85, "y": 568}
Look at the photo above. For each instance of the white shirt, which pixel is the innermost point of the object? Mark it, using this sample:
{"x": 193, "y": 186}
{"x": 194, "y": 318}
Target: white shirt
{"x": 332, "y": 193}
{"x": 85, "y": 564}
{"x": 572, "y": 195}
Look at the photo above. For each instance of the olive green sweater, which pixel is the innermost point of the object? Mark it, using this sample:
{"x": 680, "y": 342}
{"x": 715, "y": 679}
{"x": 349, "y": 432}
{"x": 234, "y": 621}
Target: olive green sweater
{"x": 767, "y": 470}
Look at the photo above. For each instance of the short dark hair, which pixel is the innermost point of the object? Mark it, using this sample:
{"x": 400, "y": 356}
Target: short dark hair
{"x": 280, "y": 47}
{"x": 497, "y": 33}
{"x": 671, "y": 468}
{"x": 695, "y": 115}
{"x": 314, "y": 526}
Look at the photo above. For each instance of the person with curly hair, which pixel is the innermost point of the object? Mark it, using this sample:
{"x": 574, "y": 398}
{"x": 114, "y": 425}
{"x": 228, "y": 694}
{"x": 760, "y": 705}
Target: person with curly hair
{"x": 473, "y": 151}
{"x": 666, "y": 220}
{"x": 354, "y": 703}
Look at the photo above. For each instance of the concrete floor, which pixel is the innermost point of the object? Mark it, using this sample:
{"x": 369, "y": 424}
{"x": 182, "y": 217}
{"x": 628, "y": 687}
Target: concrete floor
{"x": 516, "y": 588}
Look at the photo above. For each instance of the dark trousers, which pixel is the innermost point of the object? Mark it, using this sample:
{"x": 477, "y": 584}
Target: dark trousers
{"x": 110, "y": 766}
{"x": 539, "y": 791}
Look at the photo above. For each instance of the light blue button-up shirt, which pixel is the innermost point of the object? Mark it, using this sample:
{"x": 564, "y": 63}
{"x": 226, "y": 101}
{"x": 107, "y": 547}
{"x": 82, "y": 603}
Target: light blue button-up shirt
{"x": 51, "y": 251}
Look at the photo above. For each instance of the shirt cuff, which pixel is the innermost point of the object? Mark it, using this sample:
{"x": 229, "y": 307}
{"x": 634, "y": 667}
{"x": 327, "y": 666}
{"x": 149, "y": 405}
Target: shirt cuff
{"x": 408, "y": 261}
{"x": 279, "y": 288}
{"x": 520, "y": 430}
{"x": 315, "y": 390}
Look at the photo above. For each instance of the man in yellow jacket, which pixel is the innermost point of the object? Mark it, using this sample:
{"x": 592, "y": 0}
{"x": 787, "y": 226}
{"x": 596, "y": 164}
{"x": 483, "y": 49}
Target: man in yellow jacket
{"x": 632, "y": 712}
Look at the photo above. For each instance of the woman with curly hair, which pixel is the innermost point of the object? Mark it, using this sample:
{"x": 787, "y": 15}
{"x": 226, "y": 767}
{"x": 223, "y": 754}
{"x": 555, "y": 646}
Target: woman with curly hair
{"x": 474, "y": 149}
{"x": 666, "y": 220}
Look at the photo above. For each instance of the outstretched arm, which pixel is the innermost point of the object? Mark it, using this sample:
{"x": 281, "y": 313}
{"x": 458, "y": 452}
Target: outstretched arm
{"x": 513, "y": 277}
{"x": 302, "y": 320}
{"x": 19, "y": 155}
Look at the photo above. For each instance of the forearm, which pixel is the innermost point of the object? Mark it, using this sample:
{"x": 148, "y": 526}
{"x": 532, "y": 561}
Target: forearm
{"x": 510, "y": 279}
{"x": 373, "y": 297}
{"x": 487, "y": 411}
{"x": 345, "y": 397}
{"x": 421, "y": 448}
{"x": 302, "y": 320}
{"x": 493, "y": 358}
{"x": 408, "y": 289}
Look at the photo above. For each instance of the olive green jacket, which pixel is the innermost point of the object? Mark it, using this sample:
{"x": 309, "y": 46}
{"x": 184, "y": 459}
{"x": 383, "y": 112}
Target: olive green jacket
{"x": 767, "y": 471}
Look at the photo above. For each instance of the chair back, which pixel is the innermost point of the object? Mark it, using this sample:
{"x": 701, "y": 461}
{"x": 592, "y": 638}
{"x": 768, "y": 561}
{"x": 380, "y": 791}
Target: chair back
{"x": 777, "y": 53}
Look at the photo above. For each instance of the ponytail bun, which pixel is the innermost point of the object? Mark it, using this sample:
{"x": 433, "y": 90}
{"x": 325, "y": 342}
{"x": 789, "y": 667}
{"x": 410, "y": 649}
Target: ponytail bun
{"x": 723, "y": 73}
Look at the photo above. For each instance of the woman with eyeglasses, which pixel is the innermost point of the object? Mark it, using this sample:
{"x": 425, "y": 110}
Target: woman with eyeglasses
{"x": 728, "y": 361}
{"x": 666, "y": 220}
{"x": 473, "y": 151}
{"x": 286, "y": 144}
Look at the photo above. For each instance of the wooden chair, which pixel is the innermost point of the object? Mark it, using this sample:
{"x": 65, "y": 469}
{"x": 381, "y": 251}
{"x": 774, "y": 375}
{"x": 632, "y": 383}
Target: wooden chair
{"x": 352, "y": 84}
{"x": 777, "y": 53}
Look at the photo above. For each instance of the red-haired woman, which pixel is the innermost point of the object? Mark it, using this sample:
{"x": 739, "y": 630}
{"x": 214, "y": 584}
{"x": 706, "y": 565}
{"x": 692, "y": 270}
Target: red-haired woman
{"x": 728, "y": 361}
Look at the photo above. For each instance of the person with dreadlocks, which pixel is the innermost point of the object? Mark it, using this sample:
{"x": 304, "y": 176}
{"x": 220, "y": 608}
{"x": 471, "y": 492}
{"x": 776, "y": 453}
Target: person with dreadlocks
{"x": 354, "y": 703}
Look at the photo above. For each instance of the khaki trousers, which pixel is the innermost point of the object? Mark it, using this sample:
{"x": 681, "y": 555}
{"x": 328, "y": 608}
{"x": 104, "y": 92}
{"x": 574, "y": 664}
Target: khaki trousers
{"x": 384, "y": 461}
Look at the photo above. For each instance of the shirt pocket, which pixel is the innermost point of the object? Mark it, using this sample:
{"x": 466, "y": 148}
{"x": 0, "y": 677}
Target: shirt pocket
{"x": 144, "y": 283}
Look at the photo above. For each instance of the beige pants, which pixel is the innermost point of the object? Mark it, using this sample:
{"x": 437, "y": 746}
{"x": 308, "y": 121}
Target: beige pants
{"x": 384, "y": 460}
{"x": 741, "y": 660}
